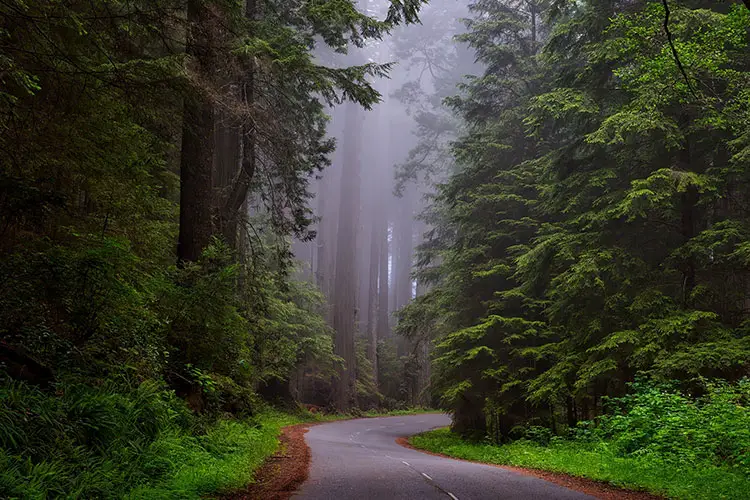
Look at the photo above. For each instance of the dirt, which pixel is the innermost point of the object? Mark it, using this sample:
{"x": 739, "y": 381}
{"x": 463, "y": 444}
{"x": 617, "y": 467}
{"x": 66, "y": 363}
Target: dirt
{"x": 590, "y": 487}
{"x": 281, "y": 474}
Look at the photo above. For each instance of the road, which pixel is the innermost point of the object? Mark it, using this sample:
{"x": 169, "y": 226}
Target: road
{"x": 360, "y": 459}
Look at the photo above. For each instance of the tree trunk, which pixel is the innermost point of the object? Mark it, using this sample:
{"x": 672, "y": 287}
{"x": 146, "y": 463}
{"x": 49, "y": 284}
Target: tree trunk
{"x": 372, "y": 296}
{"x": 405, "y": 244}
{"x": 469, "y": 419}
{"x": 345, "y": 284}
{"x": 364, "y": 246}
{"x": 321, "y": 240}
{"x": 242, "y": 177}
{"x": 382, "y": 320}
{"x": 198, "y": 141}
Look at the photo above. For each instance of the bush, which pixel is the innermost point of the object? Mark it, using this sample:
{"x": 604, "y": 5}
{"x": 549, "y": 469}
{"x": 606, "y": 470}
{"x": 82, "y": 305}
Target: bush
{"x": 659, "y": 420}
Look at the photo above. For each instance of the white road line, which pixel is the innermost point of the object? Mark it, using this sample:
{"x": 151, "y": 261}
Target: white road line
{"x": 428, "y": 477}
{"x": 454, "y": 497}
{"x": 405, "y": 463}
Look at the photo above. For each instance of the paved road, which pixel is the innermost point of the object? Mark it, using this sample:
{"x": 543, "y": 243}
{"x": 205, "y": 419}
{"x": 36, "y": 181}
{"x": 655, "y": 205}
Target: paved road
{"x": 359, "y": 459}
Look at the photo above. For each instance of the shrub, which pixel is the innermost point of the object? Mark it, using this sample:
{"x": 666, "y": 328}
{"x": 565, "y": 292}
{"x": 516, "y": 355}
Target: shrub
{"x": 659, "y": 420}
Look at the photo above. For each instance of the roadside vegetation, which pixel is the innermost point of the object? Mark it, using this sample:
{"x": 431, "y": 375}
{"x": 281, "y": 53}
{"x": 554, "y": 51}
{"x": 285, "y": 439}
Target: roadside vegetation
{"x": 656, "y": 439}
{"x": 125, "y": 442}
{"x": 152, "y": 311}
{"x": 588, "y": 258}
{"x": 140, "y": 441}
{"x": 212, "y": 208}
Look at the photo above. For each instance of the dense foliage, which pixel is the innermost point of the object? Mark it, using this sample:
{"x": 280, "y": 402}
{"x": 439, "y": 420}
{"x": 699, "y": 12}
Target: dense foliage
{"x": 154, "y": 160}
{"x": 594, "y": 228}
{"x": 656, "y": 439}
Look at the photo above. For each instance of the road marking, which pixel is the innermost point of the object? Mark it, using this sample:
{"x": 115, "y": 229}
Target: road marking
{"x": 428, "y": 477}
{"x": 405, "y": 463}
{"x": 454, "y": 497}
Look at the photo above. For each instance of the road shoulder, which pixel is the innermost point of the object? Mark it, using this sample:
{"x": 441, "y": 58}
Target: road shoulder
{"x": 597, "y": 489}
{"x": 281, "y": 474}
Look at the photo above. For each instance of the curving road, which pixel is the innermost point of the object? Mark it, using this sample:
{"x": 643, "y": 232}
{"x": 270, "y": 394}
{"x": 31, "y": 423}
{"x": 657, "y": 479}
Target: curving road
{"x": 360, "y": 459}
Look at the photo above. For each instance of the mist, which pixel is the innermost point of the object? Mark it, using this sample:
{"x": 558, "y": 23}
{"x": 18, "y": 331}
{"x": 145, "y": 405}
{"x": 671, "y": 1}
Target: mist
{"x": 369, "y": 203}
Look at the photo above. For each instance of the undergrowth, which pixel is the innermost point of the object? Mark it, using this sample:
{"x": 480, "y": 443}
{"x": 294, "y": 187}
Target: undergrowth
{"x": 138, "y": 442}
{"x": 655, "y": 439}
{"x": 110, "y": 442}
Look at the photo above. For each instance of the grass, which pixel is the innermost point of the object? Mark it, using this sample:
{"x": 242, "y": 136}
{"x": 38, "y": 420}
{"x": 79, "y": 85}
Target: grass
{"x": 223, "y": 460}
{"x": 226, "y": 458}
{"x": 598, "y": 462}
{"x": 399, "y": 413}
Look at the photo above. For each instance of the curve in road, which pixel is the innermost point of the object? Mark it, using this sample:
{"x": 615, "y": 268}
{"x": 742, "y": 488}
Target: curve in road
{"x": 360, "y": 459}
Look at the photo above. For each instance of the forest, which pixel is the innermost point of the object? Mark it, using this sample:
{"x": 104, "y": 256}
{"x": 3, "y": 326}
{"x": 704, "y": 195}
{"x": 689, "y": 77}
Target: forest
{"x": 222, "y": 217}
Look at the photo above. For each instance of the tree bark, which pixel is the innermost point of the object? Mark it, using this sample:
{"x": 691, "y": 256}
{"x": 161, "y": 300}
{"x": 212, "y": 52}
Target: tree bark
{"x": 242, "y": 176}
{"x": 382, "y": 321}
{"x": 240, "y": 189}
{"x": 198, "y": 141}
{"x": 376, "y": 245}
{"x": 345, "y": 280}
{"x": 405, "y": 244}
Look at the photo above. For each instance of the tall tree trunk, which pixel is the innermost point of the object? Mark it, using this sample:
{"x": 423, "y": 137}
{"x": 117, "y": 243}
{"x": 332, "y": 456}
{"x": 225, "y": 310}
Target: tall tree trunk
{"x": 231, "y": 210}
{"x": 405, "y": 246}
{"x": 383, "y": 316}
{"x": 321, "y": 239}
{"x": 345, "y": 287}
{"x": 376, "y": 243}
{"x": 198, "y": 140}
{"x": 329, "y": 189}
{"x": 364, "y": 246}
{"x": 228, "y": 150}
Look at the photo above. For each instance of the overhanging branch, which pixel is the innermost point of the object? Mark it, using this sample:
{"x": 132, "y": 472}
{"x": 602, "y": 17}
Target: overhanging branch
{"x": 674, "y": 50}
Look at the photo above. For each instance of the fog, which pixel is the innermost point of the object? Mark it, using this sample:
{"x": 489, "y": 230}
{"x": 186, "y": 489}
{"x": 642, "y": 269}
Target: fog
{"x": 388, "y": 160}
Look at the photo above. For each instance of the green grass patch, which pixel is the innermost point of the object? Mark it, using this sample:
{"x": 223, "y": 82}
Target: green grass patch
{"x": 398, "y": 413}
{"x": 598, "y": 461}
{"x": 223, "y": 460}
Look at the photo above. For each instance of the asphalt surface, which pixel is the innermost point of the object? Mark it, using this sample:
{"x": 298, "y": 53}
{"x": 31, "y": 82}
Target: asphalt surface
{"x": 360, "y": 459}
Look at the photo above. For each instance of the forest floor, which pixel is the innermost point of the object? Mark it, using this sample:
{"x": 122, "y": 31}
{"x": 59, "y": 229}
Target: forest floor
{"x": 594, "y": 469}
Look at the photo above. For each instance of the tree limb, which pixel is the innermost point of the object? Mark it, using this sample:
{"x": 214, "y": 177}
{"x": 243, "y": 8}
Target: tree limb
{"x": 674, "y": 50}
